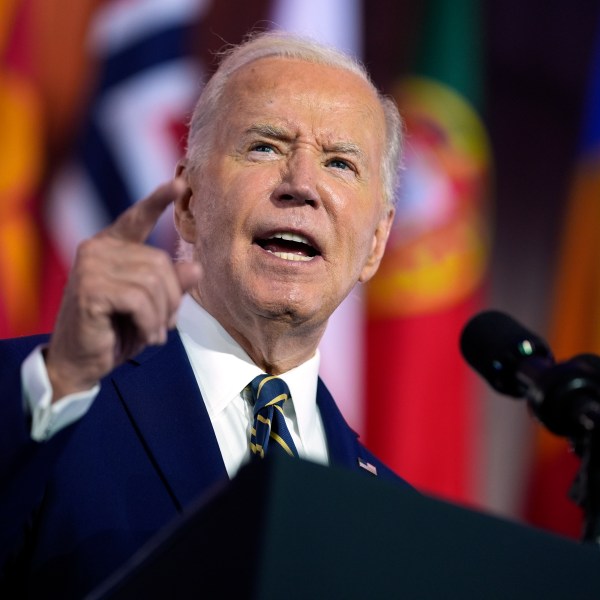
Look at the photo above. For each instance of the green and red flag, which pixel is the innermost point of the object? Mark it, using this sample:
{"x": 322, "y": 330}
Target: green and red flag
{"x": 422, "y": 413}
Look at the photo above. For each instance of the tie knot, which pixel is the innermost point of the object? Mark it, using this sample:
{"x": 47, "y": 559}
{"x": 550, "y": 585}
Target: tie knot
{"x": 267, "y": 391}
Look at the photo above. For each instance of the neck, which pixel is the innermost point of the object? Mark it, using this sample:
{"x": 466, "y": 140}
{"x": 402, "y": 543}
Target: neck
{"x": 275, "y": 345}
{"x": 275, "y": 352}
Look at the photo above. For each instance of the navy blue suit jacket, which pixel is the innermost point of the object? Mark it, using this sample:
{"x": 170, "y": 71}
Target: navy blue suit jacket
{"x": 75, "y": 508}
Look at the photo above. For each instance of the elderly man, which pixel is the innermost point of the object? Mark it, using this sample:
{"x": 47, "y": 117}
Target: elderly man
{"x": 145, "y": 394}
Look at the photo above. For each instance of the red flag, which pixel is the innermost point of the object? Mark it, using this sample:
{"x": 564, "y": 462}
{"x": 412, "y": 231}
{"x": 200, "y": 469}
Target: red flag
{"x": 422, "y": 413}
{"x": 20, "y": 172}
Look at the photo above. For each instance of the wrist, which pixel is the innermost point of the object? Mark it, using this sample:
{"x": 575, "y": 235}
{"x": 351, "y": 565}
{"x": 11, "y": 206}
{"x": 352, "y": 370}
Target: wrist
{"x": 66, "y": 378}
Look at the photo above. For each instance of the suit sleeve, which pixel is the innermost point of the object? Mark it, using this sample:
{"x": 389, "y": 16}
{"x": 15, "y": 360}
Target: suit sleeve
{"x": 25, "y": 465}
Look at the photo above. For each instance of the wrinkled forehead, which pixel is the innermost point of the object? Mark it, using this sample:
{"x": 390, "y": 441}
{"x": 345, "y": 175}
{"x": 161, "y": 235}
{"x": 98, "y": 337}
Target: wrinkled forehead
{"x": 278, "y": 85}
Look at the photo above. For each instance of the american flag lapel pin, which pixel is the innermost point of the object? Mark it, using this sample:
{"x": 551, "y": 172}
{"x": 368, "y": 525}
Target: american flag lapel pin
{"x": 367, "y": 466}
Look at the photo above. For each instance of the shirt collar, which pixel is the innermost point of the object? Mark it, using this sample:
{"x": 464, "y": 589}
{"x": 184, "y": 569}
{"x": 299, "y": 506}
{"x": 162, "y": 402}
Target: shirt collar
{"x": 223, "y": 369}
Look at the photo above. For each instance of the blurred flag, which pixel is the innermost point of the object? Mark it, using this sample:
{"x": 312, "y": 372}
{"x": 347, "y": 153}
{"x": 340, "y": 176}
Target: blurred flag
{"x": 422, "y": 414}
{"x": 133, "y": 130}
{"x": 125, "y": 133}
{"x": 576, "y": 323}
{"x": 23, "y": 140}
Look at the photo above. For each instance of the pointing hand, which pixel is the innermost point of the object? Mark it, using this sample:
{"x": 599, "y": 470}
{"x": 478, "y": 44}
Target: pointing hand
{"x": 122, "y": 295}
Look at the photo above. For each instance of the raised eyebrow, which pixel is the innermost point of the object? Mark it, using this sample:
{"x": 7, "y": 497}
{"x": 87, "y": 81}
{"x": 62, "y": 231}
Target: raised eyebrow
{"x": 269, "y": 131}
{"x": 279, "y": 133}
{"x": 348, "y": 148}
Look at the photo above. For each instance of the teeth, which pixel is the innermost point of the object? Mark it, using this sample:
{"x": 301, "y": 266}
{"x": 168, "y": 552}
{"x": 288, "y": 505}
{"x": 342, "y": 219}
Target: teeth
{"x": 289, "y": 256}
{"x": 292, "y": 237}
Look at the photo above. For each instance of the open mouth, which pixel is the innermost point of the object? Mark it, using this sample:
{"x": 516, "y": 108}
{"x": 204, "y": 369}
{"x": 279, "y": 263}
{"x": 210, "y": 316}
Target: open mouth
{"x": 289, "y": 246}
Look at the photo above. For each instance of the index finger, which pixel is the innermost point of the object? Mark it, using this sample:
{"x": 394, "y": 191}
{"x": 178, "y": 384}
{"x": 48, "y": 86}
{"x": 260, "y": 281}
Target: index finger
{"x": 138, "y": 221}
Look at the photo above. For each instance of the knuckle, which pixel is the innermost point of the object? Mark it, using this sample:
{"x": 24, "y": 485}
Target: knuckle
{"x": 151, "y": 280}
{"x": 136, "y": 300}
{"x": 92, "y": 306}
{"x": 161, "y": 260}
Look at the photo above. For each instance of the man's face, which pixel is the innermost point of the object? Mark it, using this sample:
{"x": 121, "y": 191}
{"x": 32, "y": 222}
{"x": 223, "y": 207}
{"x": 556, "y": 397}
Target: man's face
{"x": 288, "y": 212}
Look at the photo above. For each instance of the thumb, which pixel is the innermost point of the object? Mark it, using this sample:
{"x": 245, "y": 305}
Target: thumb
{"x": 188, "y": 274}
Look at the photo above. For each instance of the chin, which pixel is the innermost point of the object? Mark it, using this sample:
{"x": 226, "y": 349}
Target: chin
{"x": 291, "y": 302}
{"x": 281, "y": 311}
{"x": 284, "y": 309}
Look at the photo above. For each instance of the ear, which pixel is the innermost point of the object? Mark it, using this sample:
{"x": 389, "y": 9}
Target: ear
{"x": 185, "y": 222}
{"x": 380, "y": 237}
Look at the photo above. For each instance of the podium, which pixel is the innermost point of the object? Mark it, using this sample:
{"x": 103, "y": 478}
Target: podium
{"x": 286, "y": 528}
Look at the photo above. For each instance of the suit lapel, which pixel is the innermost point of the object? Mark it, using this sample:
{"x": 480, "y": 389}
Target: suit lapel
{"x": 342, "y": 441}
{"x": 160, "y": 393}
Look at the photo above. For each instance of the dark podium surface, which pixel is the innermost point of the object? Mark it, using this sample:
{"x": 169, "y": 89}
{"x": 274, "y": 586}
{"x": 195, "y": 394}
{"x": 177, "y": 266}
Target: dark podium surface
{"x": 286, "y": 528}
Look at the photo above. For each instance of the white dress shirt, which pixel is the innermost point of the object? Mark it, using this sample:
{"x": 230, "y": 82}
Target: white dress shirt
{"x": 222, "y": 372}
{"x": 222, "y": 369}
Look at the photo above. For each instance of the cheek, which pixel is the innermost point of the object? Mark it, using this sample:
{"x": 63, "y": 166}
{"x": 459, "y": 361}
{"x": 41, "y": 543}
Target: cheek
{"x": 360, "y": 241}
{"x": 360, "y": 235}
{"x": 210, "y": 206}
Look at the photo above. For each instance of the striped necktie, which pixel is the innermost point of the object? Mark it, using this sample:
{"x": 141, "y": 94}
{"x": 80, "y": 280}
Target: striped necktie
{"x": 269, "y": 393}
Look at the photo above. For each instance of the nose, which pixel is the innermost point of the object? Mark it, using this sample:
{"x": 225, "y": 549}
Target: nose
{"x": 299, "y": 180}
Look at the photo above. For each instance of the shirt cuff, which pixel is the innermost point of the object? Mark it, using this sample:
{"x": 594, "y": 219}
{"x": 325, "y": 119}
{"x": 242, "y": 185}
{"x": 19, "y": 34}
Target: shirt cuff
{"x": 49, "y": 418}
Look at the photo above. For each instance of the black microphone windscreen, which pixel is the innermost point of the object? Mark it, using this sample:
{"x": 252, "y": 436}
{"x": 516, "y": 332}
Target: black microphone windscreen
{"x": 495, "y": 345}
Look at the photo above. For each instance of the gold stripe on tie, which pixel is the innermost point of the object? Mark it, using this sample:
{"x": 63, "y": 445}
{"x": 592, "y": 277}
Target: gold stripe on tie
{"x": 257, "y": 449}
{"x": 277, "y": 399}
{"x": 281, "y": 442}
{"x": 262, "y": 383}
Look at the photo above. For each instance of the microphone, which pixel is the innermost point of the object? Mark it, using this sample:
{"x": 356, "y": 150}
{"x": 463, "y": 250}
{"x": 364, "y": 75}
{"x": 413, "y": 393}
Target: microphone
{"x": 508, "y": 356}
{"x": 565, "y": 397}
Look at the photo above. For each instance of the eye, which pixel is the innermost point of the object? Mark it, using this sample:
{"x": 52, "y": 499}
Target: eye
{"x": 340, "y": 163}
{"x": 262, "y": 147}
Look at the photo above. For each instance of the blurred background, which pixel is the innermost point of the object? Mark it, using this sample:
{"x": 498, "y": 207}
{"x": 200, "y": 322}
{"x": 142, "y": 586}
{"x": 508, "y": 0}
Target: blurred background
{"x": 498, "y": 206}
